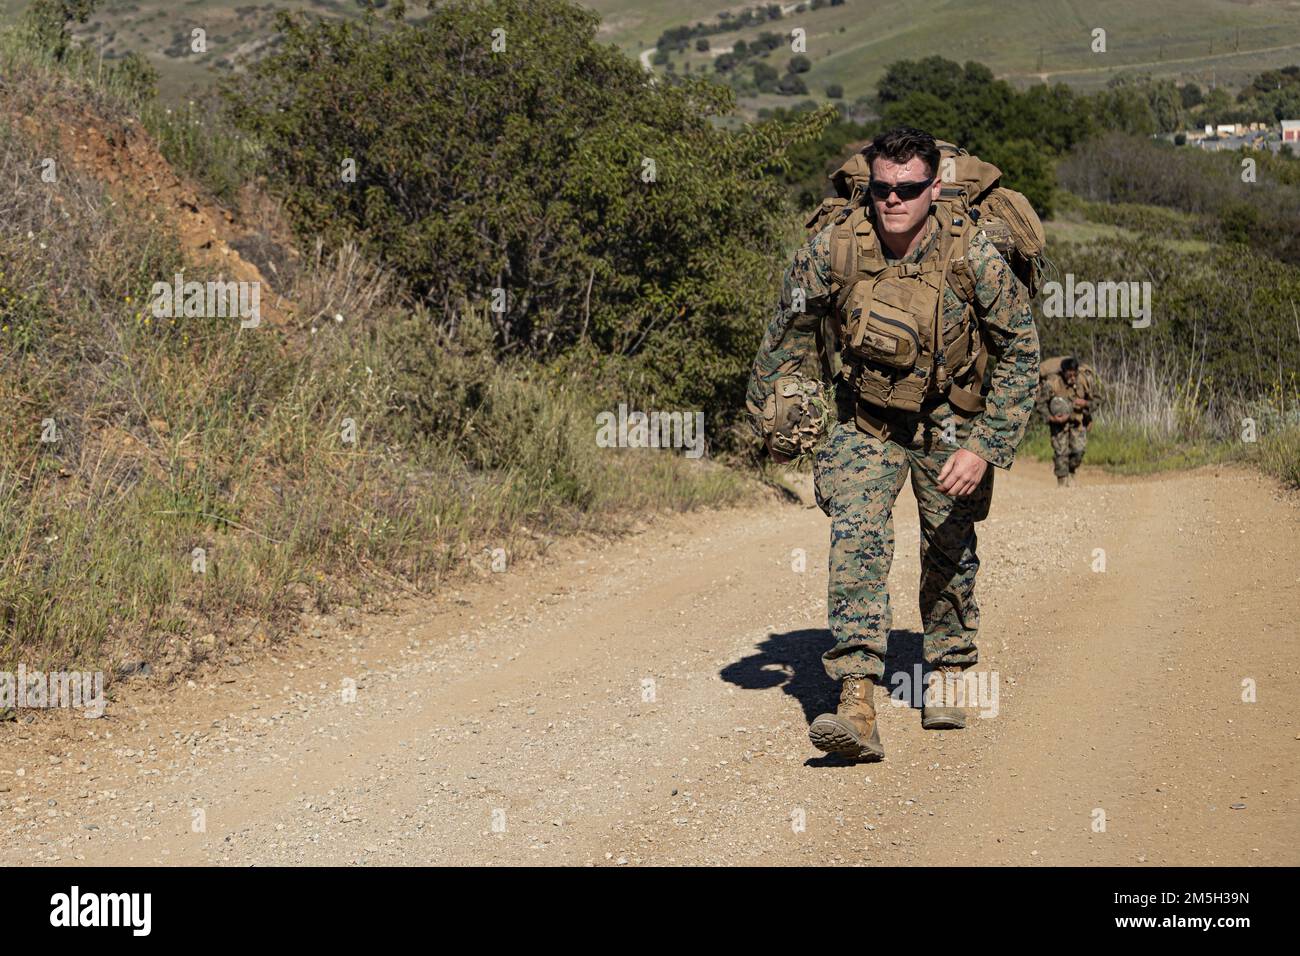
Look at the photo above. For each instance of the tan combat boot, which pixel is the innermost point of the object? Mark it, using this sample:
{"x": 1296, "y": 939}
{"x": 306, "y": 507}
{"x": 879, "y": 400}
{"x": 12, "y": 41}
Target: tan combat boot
{"x": 1062, "y": 481}
{"x": 851, "y": 731}
{"x": 944, "y": 690}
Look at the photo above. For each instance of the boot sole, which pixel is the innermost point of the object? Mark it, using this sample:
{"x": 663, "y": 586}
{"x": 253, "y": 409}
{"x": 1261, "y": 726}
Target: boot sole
{"x": 833, "y": 737}
{"x": 939, "y": 719}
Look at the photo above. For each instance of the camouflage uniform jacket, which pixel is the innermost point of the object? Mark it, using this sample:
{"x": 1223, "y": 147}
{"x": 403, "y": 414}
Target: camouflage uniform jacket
{"x": 790, "y": 345}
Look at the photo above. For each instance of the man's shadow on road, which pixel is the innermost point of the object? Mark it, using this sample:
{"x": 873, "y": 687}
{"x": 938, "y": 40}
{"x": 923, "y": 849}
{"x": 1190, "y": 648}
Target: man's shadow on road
{"x": 793, "y": 662}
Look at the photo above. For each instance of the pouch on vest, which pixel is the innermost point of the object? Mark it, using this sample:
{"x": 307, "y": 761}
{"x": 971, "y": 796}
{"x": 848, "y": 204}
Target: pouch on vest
{"x": 881, "y": 322}
{"x": 904, "y": 391}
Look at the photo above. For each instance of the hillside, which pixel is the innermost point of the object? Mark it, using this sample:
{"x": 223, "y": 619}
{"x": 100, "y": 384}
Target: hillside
{"x": 1223, "y": 41}
{"x": 1023, "y": 40}
{"x": 162, "y": 31}
{"x": 224, "y": 484}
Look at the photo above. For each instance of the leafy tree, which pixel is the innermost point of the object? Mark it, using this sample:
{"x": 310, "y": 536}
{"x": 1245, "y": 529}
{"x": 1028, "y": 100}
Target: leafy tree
{"x": 1054, "y": 116}
{"x": 1126, "y": 108}
{"x": 812, "y": 161}
{"x": 792, "y": 85}
{"x": 1025, "y": 168}
{"x": 765, "y": 77}
{"x": 613, "y": 211}
{"x": 1273, "y": 105}
{"x": 934, "y": 75}
{"x": 926, "y": 111}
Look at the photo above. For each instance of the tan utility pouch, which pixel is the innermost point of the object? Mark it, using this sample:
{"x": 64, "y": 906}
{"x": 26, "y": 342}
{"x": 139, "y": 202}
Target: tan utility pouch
{"x": 884, "y": 322}
{"x": 883, "y": 389}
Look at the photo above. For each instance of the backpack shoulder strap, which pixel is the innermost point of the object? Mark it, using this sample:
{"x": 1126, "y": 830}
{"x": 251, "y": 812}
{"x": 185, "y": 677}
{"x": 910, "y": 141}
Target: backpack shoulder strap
{"x": 844, "y": 245}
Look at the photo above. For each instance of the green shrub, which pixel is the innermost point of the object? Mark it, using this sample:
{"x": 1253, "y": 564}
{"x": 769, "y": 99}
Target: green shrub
{"x": 1224, "y": 319}
{"x": 608, "y": 208}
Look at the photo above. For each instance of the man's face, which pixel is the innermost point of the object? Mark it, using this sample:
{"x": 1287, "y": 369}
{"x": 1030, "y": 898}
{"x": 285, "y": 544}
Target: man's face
{"x": 902, "y": 216}
{"x": 1070, "y": 375}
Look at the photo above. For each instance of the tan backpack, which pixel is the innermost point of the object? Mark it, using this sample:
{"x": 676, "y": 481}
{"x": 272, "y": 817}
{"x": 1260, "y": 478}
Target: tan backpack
{"x": 1002, "y": 214}
{"x": 846, "y": 181}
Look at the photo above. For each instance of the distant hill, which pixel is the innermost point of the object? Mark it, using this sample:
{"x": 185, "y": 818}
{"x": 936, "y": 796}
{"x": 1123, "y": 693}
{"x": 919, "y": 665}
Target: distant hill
{"x": 1025, "y": 41}
{"x": 161, "y": 30}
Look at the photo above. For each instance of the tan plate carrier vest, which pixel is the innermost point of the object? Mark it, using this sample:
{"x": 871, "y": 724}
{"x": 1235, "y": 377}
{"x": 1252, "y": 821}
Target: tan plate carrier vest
{"x": 884, "y": 335}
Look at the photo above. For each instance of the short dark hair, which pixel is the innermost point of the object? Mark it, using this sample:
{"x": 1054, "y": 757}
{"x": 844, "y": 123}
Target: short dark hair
{"x": 1069, "y": 364}
{"x": 900, "y": 144}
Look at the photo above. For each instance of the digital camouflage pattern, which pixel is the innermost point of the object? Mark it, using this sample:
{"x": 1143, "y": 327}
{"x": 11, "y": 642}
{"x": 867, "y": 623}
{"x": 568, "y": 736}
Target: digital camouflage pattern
{"x": 789, "y": 343}
{"x": 1085, "y": 386}
{"x": 857, "y": 476}
{"x": 1069, "y": 439}
{"x": 1069, "y": 442}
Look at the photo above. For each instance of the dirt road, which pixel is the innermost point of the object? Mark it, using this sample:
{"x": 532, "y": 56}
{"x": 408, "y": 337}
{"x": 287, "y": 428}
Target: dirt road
{"x": 646, "y": 702}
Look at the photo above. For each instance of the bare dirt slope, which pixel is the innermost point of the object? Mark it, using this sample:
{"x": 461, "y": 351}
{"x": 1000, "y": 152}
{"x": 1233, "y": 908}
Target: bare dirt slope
{"x": 121, "y": 155}
{"x": 507, "y": 723}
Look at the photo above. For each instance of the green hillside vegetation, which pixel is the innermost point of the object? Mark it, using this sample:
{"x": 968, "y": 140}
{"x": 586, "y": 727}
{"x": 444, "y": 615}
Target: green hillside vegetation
{"x": 1215, "y": 42}
{"x": 235, "y": 32}
{"x": 1215, "y": 377}
{"x": 612, "y": 214}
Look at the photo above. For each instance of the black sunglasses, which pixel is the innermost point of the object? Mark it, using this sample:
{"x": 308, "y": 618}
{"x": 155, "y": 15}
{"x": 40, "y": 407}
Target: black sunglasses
{"x": 905, "y": 191}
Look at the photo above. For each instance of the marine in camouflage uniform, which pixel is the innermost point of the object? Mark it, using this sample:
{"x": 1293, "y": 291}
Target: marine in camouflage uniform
{"x": 858, "y": 476}
{"x": 1069, "y": 438}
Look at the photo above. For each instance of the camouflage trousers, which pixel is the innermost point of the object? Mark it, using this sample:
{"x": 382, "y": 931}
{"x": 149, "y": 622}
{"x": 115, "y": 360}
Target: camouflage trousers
{"x": 1069, "y": 442}
{"x": 857, "y": 478}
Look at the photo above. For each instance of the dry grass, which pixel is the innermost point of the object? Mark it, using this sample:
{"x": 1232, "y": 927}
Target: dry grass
{"x": 184, "y": 434}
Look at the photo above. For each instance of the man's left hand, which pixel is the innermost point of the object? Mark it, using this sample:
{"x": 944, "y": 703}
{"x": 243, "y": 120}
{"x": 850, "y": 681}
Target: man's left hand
{"x": 962, "y": 473}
